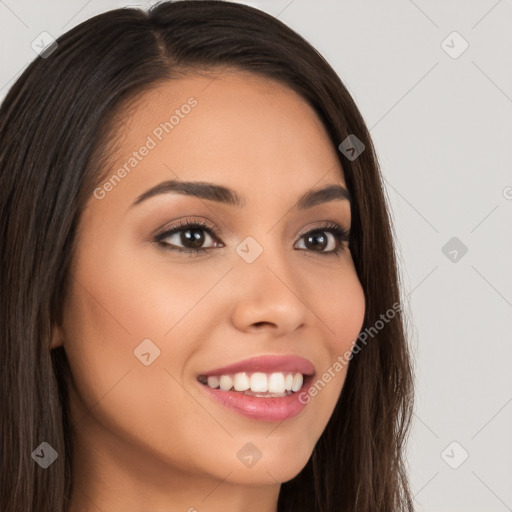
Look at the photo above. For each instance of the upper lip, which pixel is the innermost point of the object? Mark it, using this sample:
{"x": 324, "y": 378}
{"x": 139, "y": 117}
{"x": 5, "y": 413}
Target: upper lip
{"x": 266, "y": 364}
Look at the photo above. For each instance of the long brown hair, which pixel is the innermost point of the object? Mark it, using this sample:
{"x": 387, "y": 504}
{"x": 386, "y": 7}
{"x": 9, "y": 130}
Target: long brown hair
{"x": 57, "y": 124}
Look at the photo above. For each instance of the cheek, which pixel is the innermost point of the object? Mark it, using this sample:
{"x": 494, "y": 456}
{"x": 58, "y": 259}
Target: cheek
{"x": 121, "y": 393}
{"x": 337, "y": 299}
{"x": 108, "y": 322}
{"x": 98, "y": 342}
{"x": 138, "y": 293}
{"x": 340, "y": 305}
{"x": 117, "y": 303}
{"x": 345, "y": 309}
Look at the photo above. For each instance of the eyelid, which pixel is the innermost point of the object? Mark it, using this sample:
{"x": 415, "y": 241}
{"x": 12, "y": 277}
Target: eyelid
{"x": 323, "y": 224}
{"x": 181, "y": 224}
{"x": 184, "y": 223}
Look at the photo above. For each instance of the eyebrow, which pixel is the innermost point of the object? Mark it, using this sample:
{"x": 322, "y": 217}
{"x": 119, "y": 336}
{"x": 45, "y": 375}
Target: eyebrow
{"x": 221, "y": 194}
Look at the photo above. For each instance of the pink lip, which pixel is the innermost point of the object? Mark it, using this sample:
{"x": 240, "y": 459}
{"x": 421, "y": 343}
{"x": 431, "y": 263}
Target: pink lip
{"x": 266, "y": 364}
{"x": 261, "y": 408}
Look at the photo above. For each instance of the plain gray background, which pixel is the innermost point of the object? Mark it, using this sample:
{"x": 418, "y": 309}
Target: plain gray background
{"x": 441, "y": 121}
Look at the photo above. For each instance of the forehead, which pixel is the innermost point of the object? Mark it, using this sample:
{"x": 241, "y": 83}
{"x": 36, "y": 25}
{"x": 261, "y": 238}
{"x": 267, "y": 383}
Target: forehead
{"x": 235, "y": 128}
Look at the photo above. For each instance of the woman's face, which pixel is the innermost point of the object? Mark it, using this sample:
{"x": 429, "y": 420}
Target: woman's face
{"x": 143, "y": 320}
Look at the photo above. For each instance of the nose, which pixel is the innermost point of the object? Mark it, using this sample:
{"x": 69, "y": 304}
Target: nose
{"x": 267, "y": 296}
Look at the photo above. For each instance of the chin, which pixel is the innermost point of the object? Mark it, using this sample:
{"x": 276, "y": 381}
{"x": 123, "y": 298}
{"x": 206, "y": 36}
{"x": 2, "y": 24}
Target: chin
{"x": 277, "y": 469}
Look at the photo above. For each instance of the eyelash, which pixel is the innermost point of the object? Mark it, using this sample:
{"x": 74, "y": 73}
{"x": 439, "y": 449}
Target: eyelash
{"x": 340, "y": 234}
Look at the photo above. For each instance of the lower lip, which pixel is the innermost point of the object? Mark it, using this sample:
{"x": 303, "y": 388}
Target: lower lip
{"x": 260, "y": 408}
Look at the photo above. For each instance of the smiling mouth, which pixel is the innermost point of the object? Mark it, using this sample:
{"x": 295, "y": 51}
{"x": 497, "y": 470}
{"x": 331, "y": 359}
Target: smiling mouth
{"x": 259, "y": 384}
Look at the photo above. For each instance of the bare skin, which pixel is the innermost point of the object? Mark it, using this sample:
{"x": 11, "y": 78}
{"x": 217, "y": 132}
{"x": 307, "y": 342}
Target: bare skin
{"x": 150, "y": 437}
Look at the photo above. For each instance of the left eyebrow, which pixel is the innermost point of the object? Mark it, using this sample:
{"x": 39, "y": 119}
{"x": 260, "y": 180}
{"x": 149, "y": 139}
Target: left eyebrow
{"x": 219, "y": 193}
{"x": 323, "y": 195}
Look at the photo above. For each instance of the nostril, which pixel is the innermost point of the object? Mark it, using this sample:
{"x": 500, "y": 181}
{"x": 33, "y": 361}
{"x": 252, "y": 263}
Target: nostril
{"x": 261, "y": 324}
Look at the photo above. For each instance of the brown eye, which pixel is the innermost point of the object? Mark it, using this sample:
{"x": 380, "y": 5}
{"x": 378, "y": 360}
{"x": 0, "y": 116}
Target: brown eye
{"x": 317, "y": 241}
{"x": 326, "y": 239}
{"x": 192, "y": 238}
{"x": 189, "y": 237}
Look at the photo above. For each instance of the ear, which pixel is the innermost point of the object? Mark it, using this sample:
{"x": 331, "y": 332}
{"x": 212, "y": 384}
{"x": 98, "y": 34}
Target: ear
{"x": 57, "y": 337}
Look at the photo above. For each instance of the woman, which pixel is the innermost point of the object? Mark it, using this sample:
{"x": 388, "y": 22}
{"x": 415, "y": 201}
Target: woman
{"x": 200, "y": 302}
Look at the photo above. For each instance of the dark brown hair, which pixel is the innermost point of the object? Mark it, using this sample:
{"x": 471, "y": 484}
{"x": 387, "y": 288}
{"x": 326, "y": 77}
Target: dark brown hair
{"x": 55, "y": 126}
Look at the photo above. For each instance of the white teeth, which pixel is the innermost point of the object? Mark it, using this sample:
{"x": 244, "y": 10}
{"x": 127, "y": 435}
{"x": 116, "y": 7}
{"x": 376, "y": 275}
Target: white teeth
{"x": 226, "y": 382}
{"x": 297, "y": 382}
{"x": 288, "y": 381}
{"x": 258, "y": 382}
{"x": 276, "y": 383}
{"x": 241, "y": 382}
{"x": 213, "y": 382}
